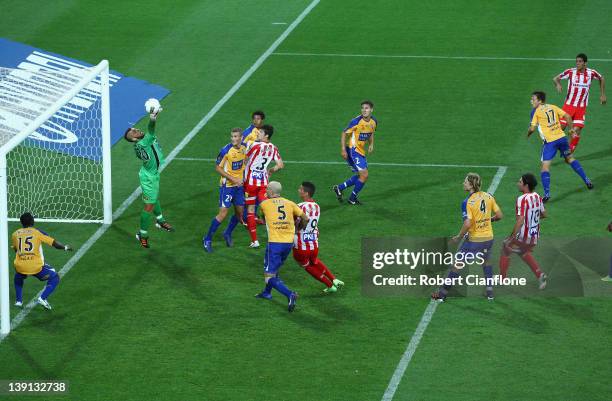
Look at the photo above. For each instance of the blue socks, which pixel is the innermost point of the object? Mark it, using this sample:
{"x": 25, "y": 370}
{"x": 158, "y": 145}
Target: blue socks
{"x": 578, "y": 169}
{"x": 444, "y": 289}
{"x": 214, "y": 224}
{"x": 358, "y": 187}
{"x": 18, "y": 280}
{"x": 279, "y": 286}
{"x": 232, "y": 224}
{"x": 545, "y": 176}
{"x": 488, "y": 272}
{"x": 576, "y": 166}
{"x": 348, "y": 183}
{"x": 52, "y": 282}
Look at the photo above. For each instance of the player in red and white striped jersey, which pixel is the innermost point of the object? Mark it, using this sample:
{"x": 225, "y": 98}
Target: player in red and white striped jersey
{"x": 529, "y": 210}
{"x": 579, "y": 81}
{"x": 306, "y": 242}
{"x": 256, "y": 175}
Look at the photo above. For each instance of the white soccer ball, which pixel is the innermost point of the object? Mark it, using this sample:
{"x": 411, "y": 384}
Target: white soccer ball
{"x": 152, "y": 106}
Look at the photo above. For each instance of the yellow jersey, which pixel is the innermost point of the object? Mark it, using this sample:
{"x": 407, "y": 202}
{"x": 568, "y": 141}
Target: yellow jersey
{"x": 27, "y": 243}
{"x": 546, "y": 118}
{"x": 360, "y": 132}
{"x": 280, "y": 214}
{"x": 250, "y": 135}
{"x": 479, "y": 207}
{"x": 232, "y": 161}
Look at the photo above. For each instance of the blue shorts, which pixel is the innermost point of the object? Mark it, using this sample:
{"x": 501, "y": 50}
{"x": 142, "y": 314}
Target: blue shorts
{"x": 549, "y": 149}
{"x": 356, "y": 161}
{"x": 44, "y": 274}
{"x": 472, "y": 248}
{"x": 276, "y": 254}
{"x": 231, "y": 195}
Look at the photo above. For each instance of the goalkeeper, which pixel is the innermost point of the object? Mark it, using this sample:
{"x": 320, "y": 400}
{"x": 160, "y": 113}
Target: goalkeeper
{"x": 148, "y": 150}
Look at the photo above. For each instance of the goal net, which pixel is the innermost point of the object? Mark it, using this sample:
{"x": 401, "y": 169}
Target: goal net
{"x": 54, "y": 149}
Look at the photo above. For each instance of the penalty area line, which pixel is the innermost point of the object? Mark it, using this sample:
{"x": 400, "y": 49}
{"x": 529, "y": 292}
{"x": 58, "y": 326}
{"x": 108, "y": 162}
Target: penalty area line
{"x": 432, "y": 57}
{"x": 343, "y": 163}
{"x": 18, "y": 319}
{"x": 426, "y": 319}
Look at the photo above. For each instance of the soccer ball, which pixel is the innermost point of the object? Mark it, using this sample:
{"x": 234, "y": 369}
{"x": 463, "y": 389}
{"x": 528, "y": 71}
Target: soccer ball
{"x": 152, "y": 106}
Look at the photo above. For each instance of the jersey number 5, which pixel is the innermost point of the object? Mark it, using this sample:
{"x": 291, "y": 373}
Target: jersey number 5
{"x": 281, "y": 212}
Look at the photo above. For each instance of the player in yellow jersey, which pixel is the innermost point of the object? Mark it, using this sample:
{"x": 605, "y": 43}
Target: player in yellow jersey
{"x": 30, "y": 261}
{"x": 251, "y": 132}
{"x": 478, "y": 210}
{"x": 230, "y": 165}
{"x": 280, "y": 215}
{"x": 547, "y": 119}
{"x": 360, "y": 131}
{"x": 249, "y": 135}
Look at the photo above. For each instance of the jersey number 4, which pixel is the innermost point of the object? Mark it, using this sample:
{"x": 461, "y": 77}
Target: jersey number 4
{"x": 483, "y": 206}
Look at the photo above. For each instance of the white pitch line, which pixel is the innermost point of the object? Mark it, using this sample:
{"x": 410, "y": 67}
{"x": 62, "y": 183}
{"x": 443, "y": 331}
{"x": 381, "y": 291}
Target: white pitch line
{"x": 200, "y": 159}
{"x": 122, "y": 208}
{"x": 426, "y": 319}
{"x": 431, "y": 57}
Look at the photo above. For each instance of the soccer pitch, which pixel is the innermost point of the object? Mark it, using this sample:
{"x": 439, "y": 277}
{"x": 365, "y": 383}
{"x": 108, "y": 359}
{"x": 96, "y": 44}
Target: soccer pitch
{"x": 451, "y": 84}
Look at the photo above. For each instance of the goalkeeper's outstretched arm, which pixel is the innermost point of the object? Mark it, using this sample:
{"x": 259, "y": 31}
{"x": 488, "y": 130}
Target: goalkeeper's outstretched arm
{"x": 58, "y": 245}
{"x": 152, "y": 120}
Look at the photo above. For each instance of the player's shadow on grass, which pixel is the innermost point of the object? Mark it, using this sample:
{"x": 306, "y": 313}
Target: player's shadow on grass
{"x": 169, "y": 206}
{"x": 26, "y": 356}
{"x": 596, "y": 155}
{"x": 600, "y": 182}
{"x": 333, "y": 307}
{"x": 503, "y": 312}
{"x": 392, "y": 192}
{"x": 114, "y": 297}
{"x": 385, "y": 195}
{"x": 565, "y": 309}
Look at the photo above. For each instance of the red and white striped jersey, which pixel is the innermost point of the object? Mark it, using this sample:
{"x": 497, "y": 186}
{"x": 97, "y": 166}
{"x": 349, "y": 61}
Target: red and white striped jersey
{"x": 307, "y": 239}
{"x": 531, "y": 206}
{"x": 259, "y": 155}
{"x": 578, "y": 85}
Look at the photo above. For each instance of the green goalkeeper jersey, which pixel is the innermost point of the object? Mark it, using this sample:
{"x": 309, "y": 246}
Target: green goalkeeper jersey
{"x": 149, "y": 151}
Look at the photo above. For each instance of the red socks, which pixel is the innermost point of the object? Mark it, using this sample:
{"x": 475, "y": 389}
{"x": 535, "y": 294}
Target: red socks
{"x": 252, "y": 226}
{"x": 320, "y": 272}
{"x": 533, "y": 265}
{"x": 316, "y": 272}
{"x": 504, "y": 264}
{"x": 574, "y": 142}
{"x": 325, "y": 270}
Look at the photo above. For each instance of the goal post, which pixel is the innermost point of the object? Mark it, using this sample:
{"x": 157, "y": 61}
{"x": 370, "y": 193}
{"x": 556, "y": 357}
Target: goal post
{"x": 55, "y": 157}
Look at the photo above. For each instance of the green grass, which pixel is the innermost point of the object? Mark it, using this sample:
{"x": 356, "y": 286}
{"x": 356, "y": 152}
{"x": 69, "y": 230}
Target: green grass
{"x": 175, "y": 323}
